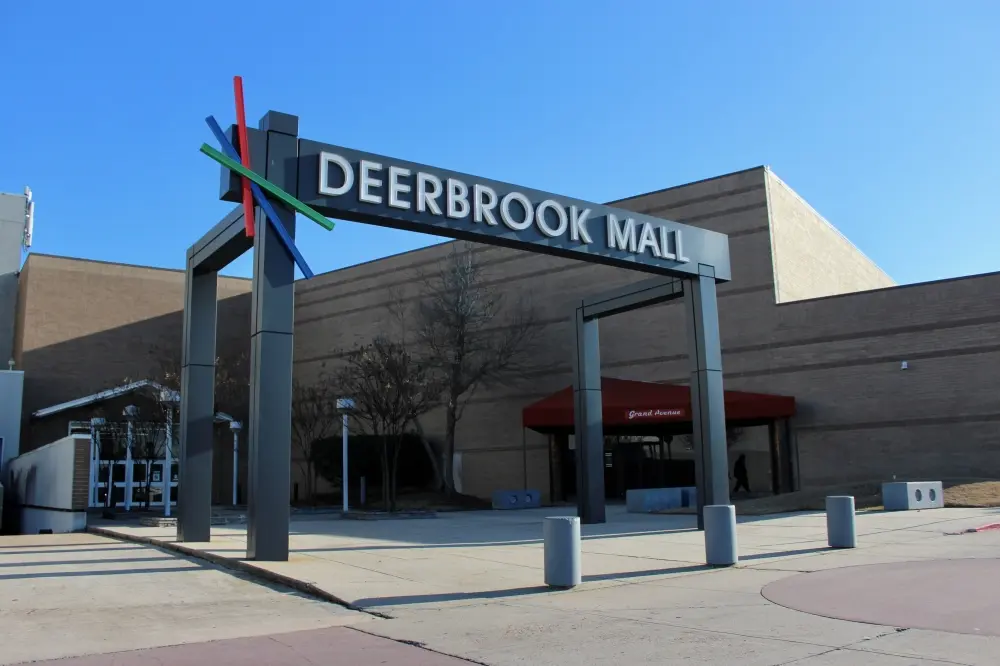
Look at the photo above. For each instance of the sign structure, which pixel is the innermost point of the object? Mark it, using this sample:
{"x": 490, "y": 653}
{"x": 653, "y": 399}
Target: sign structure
{"x": 362, "y": 187}
{"x": 282, "y": 174}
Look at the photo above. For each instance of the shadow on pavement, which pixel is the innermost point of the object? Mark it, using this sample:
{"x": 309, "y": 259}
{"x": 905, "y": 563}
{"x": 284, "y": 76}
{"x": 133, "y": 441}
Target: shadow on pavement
{"x": 786, "y": 553}
{"x": 97, "y": 572}
{"x": 376, "y": 602}
{"x": 70, "y": 563}
{"x": 649, "y": 572}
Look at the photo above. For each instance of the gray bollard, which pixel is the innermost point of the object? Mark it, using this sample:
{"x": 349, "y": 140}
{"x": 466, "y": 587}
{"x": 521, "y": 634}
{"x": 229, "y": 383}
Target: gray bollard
{"x": 840, "y": 532}
{"x": 562, "y": 551}
{"x": 720, "y": 535}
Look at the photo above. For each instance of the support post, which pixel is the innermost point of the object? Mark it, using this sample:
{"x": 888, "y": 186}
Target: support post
{"x": 194, "y": 491}
{"x": 708, "y": 412}
{"x": 789, "y": 454}
{"x": 588, "y": 420}
{"x": 777, "y": 462}
{"x": 269, "y": 473}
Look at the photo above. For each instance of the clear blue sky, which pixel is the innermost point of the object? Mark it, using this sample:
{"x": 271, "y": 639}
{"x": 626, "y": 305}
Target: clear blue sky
{"x": 884, "y": 115}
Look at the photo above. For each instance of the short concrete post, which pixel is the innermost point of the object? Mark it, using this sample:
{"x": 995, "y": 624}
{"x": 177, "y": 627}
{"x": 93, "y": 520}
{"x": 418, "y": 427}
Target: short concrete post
{"x": 720, "y": 535}
{"x": 562, "y": 551}
{"x": 840, "y": 530}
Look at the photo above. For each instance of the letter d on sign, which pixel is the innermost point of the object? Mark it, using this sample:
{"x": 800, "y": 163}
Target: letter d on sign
{"x": 326, "y": 160}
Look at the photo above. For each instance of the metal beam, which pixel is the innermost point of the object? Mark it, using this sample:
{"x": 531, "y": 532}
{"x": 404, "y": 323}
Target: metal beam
{"x": 587, "y": 402}
{"x": 197, "y": 413}
{"x": 588, "y": 420}
{"x": 632, "y": 297}
{"x": 223, "y": 243}
{"x": 272, "y": 320}
{"x": 708, "y": 411}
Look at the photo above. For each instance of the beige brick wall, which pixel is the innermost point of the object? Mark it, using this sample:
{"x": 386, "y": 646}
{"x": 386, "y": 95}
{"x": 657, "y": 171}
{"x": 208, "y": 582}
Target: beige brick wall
{"x": 860, "y": 415}
{"x": 811, "y": 258}
{"x": 84, "y": 326}
{"x": 341, "y": 309}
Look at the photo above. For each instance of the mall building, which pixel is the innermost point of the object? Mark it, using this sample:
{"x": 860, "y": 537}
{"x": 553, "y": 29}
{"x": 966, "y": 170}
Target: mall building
{"x": 833, "y": 373}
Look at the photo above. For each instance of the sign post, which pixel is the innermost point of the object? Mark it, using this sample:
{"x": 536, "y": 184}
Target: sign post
{"x": 320, "y": 180}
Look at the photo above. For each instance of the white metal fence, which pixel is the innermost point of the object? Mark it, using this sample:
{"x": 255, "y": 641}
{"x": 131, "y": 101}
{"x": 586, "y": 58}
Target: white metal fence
{"x": 134, "y": 461}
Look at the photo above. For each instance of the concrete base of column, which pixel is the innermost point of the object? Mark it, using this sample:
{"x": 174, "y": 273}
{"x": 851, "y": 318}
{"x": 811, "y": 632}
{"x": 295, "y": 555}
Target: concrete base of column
{"x": 562, "y": 551}
{"x": 720, "y": 535}
{"x": 840, "y": 529}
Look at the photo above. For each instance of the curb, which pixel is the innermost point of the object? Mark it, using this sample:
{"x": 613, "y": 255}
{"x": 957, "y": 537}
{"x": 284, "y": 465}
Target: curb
{"x": 985, "y": 528}
{"x": 235, "y": 565}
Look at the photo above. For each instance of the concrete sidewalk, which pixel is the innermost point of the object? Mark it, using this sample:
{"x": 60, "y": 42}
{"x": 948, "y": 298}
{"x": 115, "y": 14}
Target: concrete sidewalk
{"x": 67, "y": 595}
{"x": 470, "y": 584}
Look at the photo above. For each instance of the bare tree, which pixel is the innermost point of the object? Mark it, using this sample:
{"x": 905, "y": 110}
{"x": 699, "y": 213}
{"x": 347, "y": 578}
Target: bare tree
{"x": 391, "y": 388}
{"x": 232, "y": 384}
{"x": 471, "y": 336}
{"x": 112, "y": 443}
{"x": 399, "y": 311}
{"x": 314, "y": 417}
{"x": 232, "y": 378}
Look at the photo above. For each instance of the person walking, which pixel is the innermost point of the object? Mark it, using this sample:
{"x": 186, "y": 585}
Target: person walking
{"x": 740, "y": 472}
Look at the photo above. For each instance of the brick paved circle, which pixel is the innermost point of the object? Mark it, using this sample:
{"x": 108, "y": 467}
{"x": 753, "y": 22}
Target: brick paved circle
{"x": 960, "y": 596}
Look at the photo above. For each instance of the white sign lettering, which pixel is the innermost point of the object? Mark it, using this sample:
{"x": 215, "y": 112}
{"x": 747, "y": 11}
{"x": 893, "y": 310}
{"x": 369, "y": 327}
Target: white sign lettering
{"x": 423, "y": 192}
{"x": 654, "y": 413}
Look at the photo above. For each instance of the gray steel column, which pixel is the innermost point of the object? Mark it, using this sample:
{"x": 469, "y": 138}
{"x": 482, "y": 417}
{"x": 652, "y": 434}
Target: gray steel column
{"x": 588, "y": 420}
{"x": 708, "y": 413}
{"x": 791, "y": 454}
{"x": 270, "y": 426}
{"x": 197, "y": 413}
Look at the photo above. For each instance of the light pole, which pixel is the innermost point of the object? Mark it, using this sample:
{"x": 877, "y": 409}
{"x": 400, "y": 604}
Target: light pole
{"x": 344, "y": 406}
{"x": 236, "y": 426}
{"x": 130, "y": 412}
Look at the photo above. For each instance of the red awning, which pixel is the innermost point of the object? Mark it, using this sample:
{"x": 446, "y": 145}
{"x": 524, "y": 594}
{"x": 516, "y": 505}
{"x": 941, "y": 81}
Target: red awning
{"x": 629, "y": 402}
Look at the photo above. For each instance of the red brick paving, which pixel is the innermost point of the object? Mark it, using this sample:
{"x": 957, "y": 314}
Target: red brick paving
{"x": 336, "y": 646}
{"x": 960, "y": 596}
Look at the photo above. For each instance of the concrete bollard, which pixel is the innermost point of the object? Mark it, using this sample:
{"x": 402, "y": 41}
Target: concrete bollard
{"x": 720, "y": 535}
{"x": 840, "y": 532}
{"x": 562, "y": 551}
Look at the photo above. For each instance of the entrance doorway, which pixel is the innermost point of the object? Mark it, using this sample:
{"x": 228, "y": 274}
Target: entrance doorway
{"x": 630, "y": 462}
{"x": 648, "y": 442}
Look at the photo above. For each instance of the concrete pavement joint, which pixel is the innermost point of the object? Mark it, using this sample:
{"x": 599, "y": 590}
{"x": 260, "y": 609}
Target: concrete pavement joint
{"x": 418, "y": 644}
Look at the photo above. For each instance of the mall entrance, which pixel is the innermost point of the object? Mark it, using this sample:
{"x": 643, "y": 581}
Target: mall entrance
{"x": 648, "y": 442}
{"x": 630, "y": 461}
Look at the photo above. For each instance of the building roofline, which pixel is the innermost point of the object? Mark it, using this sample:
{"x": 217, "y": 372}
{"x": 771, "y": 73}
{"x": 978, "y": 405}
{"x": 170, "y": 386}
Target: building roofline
{"x": 120, "y": 264}
{"x": 166, "y": 395}
{"x": 802, "y": 200}
{"x": 894, "y": 287}
{"x": 693, "y": 182}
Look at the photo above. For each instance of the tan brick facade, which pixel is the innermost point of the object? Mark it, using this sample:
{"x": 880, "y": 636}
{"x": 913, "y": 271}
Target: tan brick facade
{"x": 860, "y": 415}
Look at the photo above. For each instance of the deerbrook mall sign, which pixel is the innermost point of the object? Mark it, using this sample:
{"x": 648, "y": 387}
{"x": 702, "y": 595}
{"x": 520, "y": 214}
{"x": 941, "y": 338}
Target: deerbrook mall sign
{"x": 351, "y": 185}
